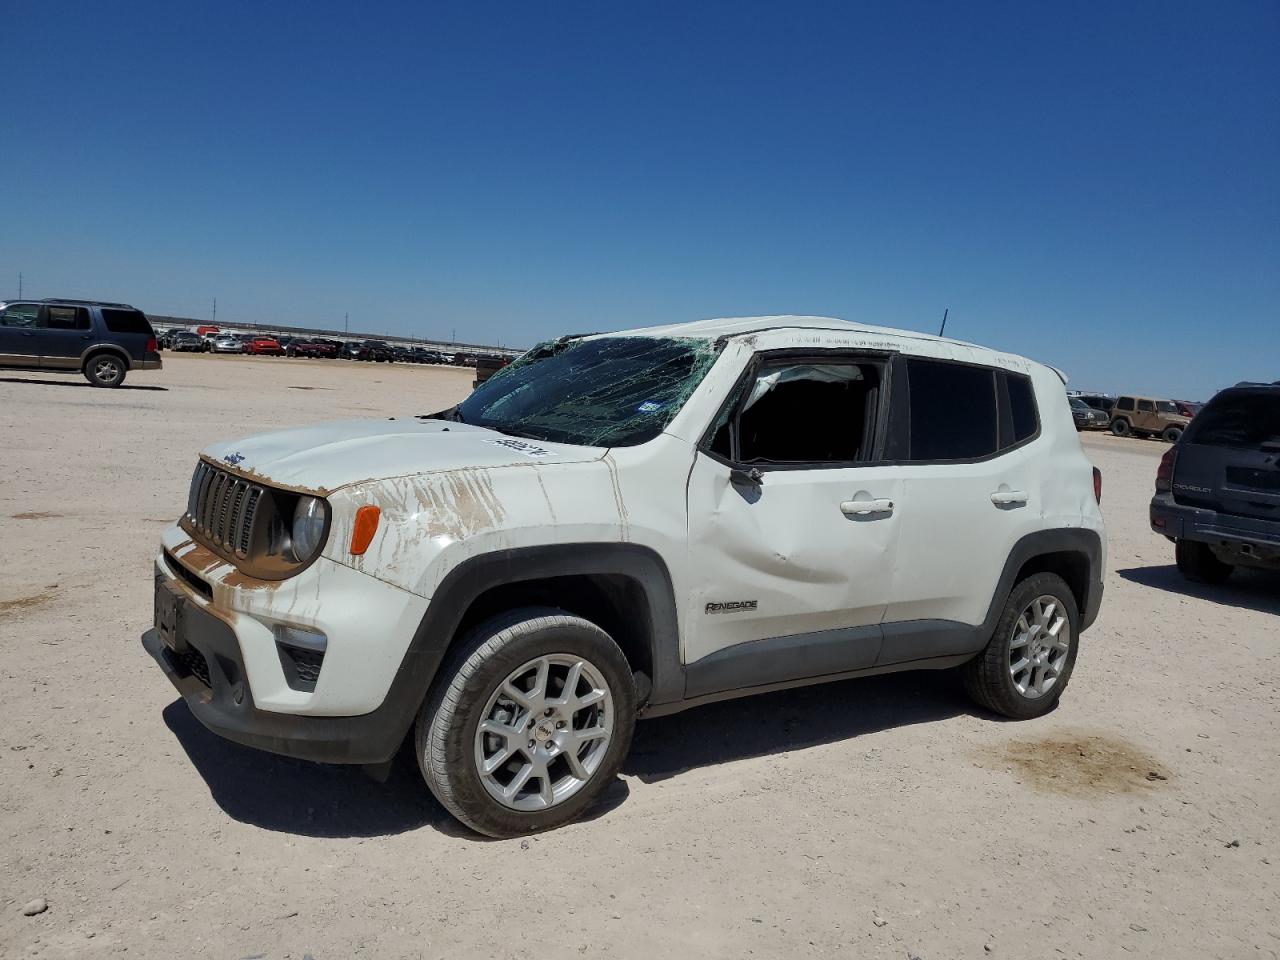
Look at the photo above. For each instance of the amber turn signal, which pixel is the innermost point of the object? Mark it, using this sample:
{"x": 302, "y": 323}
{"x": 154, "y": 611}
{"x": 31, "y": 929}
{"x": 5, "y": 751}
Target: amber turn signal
{"x": 365, "y": 527}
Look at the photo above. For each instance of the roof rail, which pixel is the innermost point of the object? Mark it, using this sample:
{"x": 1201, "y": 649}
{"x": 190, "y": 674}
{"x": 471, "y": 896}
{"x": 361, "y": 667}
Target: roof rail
{"x": 87, "y": 303}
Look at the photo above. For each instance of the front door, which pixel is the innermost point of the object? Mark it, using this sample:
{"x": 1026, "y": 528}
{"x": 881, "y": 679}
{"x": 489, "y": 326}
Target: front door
{"x": 792, "y": 526}
{"x": 19, "y": 323}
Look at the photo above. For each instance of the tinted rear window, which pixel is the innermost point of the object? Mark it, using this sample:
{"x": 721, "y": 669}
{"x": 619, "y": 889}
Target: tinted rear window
{"x": 1022, "y": 405}
{"x": 126, "y": 321}
{"x": 953, "y": 410}
{"x": 1238, "y": 420}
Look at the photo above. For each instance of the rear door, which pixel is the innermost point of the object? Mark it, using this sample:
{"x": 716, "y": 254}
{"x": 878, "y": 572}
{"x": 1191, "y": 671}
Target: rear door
{"x": 965, "y": 435}
{"x": 63, "y": 335}
{"x": 1229, "y": 458}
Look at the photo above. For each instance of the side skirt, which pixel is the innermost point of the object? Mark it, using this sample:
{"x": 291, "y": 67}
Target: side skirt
{"x": 932, "y": 663}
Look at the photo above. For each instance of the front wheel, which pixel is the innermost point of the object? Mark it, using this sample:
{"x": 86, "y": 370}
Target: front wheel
{"x": 1172, "y": 434}
{"x": 528, "y": 724}
{"x": 1027, "y": 662}
{"x": 104, "y": 370}
{"x": 1120, "y": 427}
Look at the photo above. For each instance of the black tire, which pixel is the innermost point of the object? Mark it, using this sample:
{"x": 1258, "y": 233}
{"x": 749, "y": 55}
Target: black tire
{"x": 1120, "y": 427}
{"x": 1172, "y": 434}
{"x": 445, "y": 735}
{"x": 105, "y": 370}
{"x": 1199, "y": 564}
{"x": 987, "y": 677}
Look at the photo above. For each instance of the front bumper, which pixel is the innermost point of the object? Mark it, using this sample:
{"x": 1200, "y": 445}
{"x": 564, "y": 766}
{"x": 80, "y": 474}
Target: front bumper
{"x": 223, "y": 657}
{"x": 1255, "y": 539}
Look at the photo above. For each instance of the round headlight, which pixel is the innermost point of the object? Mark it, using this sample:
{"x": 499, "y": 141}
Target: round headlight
{"x": 308, "y": 528}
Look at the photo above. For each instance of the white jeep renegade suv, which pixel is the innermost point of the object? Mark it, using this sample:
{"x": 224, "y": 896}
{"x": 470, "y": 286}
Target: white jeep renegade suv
{"x": 625, "y": 525}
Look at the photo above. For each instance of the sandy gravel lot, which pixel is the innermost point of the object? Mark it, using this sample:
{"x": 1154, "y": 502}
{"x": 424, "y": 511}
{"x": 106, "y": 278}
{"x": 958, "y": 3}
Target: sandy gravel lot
{"x": 872, "y": 818}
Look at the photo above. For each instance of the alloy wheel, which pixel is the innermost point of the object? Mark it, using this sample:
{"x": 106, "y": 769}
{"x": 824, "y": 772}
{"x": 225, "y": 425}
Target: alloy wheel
{"x": 544, "y": 732}
{"x": 1039, "y": 647}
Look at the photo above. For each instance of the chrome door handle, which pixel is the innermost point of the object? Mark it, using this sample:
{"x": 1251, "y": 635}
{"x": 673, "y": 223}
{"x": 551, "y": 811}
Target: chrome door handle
{"x": 863, "y": 508}
{"x": 1005, "y": 498}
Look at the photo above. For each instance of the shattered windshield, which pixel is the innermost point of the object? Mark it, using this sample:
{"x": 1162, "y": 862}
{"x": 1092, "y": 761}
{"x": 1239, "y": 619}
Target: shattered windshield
{"x": 607, "y": 392}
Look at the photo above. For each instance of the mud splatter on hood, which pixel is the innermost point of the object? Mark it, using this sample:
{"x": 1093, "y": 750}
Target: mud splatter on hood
{"x": 325, "y": 456}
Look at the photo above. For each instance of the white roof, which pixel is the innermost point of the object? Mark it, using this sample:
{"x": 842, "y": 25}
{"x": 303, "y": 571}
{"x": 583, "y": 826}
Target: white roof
{"x": 741, "y": 326}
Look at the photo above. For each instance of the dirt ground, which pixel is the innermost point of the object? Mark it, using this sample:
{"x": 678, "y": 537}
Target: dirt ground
{"x": 871, "y": 818}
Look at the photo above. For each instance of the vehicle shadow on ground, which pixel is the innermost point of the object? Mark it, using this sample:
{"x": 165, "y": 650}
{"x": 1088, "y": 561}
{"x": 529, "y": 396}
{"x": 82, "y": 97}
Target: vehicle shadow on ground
{"x": 318, "y": 799}
{"x": 789, "y": 720}
{"x": 1257, "y": 590}
{"x": 79, "y": 383}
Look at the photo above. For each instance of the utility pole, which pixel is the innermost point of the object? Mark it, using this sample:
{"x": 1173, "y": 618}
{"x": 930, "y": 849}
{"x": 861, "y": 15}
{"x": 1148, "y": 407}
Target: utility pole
{"x": 346, "y": 323}
{"x": 215, "y": 311}
{"x": 19, "y": 286}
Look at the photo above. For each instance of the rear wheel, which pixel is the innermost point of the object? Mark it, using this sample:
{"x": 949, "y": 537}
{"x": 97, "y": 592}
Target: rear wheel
{"x": 104, "y": 370}
{"x": 1199, "y": 564}
{"x": 1120, "y": 427}
{"x": 529, "y": 723}
{"x": 1029, "y": 659}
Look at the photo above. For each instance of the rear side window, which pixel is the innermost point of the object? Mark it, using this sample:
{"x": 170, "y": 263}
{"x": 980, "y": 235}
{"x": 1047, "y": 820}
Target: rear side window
{"x": 1238, "y": 420}
{"x": 1022, "y": 406}
{"x": 126, "y": 321}
{"x": 67, "y": 318}
{"x": 952, "y": 411}
{"x": 1124, "y": 403}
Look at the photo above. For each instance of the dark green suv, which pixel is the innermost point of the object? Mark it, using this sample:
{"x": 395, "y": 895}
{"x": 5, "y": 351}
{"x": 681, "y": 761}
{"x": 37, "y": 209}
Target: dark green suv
{"x": 104, "y": 341}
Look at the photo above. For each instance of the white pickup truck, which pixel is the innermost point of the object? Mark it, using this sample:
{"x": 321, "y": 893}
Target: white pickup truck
{"x": 629, "y": 524}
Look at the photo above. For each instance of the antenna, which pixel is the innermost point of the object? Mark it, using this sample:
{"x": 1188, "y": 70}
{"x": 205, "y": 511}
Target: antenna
{"x": 944, "y": 321}
{"x": 19, "y": 286}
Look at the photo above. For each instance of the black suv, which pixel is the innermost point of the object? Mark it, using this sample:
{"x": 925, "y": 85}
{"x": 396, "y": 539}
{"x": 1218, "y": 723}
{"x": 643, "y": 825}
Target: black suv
{"x": 102, "y": 340}
{"x": 1218, "y": 489}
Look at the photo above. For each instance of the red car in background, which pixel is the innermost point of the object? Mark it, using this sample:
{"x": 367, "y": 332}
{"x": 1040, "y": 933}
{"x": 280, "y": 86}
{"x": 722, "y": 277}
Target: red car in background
{"x": 317, "y": 347}
{"x": 264, "y": 345}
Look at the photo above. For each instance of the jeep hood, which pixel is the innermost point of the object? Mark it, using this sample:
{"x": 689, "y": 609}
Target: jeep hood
{"x": 323, "y": 457}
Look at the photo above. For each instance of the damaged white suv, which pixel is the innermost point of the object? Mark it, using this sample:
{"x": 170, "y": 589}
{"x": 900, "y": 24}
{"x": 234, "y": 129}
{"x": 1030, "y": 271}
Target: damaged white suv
{"x": 625, "y": 525}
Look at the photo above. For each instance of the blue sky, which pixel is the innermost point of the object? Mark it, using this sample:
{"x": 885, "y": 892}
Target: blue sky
{"x": 1093, "y": 185}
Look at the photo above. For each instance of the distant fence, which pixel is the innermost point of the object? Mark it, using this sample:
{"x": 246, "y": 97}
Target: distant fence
{"x": 165, "y": 323}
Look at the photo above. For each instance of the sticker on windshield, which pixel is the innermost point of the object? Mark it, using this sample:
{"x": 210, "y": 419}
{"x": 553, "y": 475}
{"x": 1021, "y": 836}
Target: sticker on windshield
{"x": 649, "y": 406}
{"x": 519, "y": 446}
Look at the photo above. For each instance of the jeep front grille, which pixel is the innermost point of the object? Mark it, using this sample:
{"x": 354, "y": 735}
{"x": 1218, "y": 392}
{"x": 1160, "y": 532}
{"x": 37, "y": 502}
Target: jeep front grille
{"x": 222, "y": 507}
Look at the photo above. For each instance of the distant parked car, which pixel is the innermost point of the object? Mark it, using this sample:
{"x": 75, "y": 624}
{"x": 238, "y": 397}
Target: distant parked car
{"x": 376, "y": 350}
{"x": 227, "y": 343}
{"x": 1187, "y": 408}
{"x": 101, "y": 340}
{"x": 423, "y": 355}
{"x": 1147, "y": 417}
{"x": 263, "y": 346}
{"x": 312, "y": 348}
{"x": 1099, "y": 401}
{"x": 1086, "y": 417}
{"x": 184, "y": 341}
{"x": 1218, "y": 489}
{"x": 463, "y": 360}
